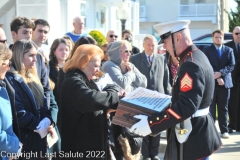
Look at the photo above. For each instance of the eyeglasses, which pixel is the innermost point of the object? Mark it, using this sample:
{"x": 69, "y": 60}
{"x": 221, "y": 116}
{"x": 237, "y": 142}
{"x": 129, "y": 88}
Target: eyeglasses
{"x": 237, "y": 34}
{"x": 9, "y": 64}
{"x": 111, "y": 36}
{"x": 3, "y": 41}
{"x": 127, "y": 51}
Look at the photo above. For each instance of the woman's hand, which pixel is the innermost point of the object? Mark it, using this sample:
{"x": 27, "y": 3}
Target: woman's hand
{"x": 217, "y": 75}
{"x": 123, "y": 68}
{"x": 53, "y": 137}
{"x": 220, "y": 81}
{"x": 121, "y": 93}
{"x": 52, "y": 131}
{"x": 110, "y": 111}
{"x": 128, "y": 66}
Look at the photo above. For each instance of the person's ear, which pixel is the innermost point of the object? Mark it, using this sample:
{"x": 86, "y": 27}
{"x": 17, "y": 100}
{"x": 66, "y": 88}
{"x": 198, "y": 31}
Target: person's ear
{"x": 178, "y": 37}
{"x": 14, "y": 34}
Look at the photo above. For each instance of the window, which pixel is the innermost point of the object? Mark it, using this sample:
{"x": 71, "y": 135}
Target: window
{"x": 100, "y": 20}
{"x": 184, "y": 1}
{"x": 200, "y": 1}
{"x": 83, "y": 9}
{"x": 142, "y": 2}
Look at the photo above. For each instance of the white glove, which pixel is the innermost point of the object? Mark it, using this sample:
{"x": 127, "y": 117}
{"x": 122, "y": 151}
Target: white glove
{"x": 42, "y": 128}
{"x": 141, "y": 128}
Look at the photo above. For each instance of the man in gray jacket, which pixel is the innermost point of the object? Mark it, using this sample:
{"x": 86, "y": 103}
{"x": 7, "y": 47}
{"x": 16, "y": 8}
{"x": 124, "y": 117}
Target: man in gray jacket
{"x": 154, "y": 67}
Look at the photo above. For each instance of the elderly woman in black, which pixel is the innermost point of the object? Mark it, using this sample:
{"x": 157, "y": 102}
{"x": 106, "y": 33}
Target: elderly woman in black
{"x": 85, "y": 108}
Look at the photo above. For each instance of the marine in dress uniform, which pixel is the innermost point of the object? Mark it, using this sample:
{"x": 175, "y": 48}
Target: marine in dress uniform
{"x": 192, "y": 94}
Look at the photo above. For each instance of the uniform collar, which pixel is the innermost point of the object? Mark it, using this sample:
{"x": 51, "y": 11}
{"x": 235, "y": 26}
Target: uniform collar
{"x": 184, "y": 53}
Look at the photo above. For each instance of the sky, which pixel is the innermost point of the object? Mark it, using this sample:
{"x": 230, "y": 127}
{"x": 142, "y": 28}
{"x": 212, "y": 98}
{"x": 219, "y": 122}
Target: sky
{"x": 232, "y": 4}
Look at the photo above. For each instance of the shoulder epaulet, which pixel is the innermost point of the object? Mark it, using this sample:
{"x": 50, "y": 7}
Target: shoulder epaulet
{"x": 188, "y": 57}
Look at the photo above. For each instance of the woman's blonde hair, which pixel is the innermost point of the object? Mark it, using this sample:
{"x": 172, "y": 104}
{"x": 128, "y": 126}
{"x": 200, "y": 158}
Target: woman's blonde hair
{"x": 82, "y": 56}
{"x": 5, "y": 53}
{"x": 125, "y": 42}
{"x": 29, "y": 76}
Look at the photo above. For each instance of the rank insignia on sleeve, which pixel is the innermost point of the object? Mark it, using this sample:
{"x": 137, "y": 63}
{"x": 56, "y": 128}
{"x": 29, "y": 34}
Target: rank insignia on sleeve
{"x": 186, "y": 83}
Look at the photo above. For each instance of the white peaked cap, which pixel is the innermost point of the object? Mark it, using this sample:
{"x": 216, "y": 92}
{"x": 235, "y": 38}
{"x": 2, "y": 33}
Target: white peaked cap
{"x": 166, "y": 28}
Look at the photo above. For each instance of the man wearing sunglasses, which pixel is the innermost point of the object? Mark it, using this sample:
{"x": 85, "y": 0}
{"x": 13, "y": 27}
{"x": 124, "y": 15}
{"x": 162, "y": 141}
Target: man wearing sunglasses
{"x": 111, "y": 36}
{"x": 233, "y": 105}
{"x": 191, "y": 130}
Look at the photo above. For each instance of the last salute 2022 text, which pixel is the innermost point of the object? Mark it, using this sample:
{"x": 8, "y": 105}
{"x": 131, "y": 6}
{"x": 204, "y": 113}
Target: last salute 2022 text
{"x": 88, "y": 154}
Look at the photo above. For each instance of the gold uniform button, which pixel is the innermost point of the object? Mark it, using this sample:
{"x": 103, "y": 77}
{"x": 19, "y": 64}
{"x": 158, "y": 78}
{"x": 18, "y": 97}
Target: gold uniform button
{"x": 157, "y": 118}
{"x": 150, "y": 122}
{"x": 165, "y": 116}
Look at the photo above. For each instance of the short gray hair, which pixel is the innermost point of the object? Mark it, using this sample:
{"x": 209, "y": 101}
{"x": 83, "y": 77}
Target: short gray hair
{"x": 148, "y": 36}
{"x": 78, "y": 17}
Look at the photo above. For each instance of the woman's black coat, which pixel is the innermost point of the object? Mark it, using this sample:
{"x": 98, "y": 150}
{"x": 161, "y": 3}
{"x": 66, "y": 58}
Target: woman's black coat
{"x": 84, "y": 120}
{"x": 29, "y": 115}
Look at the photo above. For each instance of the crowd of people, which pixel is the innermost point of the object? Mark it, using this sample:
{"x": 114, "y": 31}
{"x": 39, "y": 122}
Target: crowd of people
{"x": 50, "y": 92}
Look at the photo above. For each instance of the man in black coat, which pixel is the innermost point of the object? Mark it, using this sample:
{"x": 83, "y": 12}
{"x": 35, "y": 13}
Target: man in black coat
{"x": 192, "y": 94}
{"x": 233, "y": 105}
{"x": 222, "y": 60}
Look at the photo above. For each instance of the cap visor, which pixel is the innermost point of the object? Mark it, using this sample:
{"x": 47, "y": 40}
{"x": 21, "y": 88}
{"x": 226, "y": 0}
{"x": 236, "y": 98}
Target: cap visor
{"x": 161, "y": 41}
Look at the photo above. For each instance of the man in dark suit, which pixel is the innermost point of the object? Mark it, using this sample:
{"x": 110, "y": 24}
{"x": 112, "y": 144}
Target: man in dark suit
{"x": 234, "y": 91}
{"x": 154, "y": 67}
{"x": 222, "y": 60}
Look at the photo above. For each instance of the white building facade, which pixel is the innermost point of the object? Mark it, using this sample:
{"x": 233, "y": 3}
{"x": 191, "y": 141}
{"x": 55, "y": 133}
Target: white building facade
{"x": 205, "y": 15}
{"x": 98, "y": 14}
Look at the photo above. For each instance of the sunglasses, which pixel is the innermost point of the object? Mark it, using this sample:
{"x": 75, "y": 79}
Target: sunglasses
{"x": 236, "y": 33}
{"x": 111, "y": 36}
{"x": 127, "y": 51}
{"x": 9, "y": 64}
{"x": 3, "y": 41}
